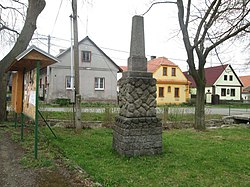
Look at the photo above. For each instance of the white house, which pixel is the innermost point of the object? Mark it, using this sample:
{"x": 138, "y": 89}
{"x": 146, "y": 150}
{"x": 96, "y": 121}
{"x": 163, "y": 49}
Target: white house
{"x": 221, "y": 83}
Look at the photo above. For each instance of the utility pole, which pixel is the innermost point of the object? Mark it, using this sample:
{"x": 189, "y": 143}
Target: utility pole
{"x": 76, "y": 65}
{"x": 49, "y": 43}
{"x": 48, "y": 74}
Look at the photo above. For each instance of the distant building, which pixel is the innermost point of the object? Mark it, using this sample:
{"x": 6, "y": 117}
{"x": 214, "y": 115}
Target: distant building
{"x": 172, "y": 85}
{"x": 222, "y": 84}
{"x": 98, "y": 75}
{"x": 246, "y": 88}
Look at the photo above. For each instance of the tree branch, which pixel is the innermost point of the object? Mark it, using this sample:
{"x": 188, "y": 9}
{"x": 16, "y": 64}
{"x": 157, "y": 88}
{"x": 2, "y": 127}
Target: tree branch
{"x": 18, "y": 1}
{"x": 188, "y": 46}
{"x": 4, "y": 27}
{"x": 11, "y": 8}
{"x": 34, "y": 9}
{"x": 196, "y": 42}
{"x": 155, "y": 3}
{"x": 210, "y": 22}
{"x": 226, "y": 38}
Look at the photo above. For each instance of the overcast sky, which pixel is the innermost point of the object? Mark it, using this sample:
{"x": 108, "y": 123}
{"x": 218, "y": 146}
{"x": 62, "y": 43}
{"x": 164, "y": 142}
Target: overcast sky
{"x": 108, "y": 24}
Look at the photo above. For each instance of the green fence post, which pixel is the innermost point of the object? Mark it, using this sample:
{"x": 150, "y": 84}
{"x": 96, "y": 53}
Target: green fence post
{"x": 15, "y": 120}
{"x": 22, "y": 121}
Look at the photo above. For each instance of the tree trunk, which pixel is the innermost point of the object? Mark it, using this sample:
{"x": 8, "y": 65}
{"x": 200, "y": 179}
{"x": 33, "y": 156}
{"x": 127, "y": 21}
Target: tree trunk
{"x": 35, "y": 7}
{"x": 199, "y": 124}
{"x": 3, "y": 86}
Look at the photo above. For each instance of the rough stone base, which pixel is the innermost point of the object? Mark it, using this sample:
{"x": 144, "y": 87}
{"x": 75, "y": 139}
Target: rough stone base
{"x": 137, "y": 136}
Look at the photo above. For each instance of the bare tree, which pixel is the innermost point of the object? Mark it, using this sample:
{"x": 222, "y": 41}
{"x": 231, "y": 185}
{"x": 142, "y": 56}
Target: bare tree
{"x": 205, "y": 26}
{"x": 7, "y": 27}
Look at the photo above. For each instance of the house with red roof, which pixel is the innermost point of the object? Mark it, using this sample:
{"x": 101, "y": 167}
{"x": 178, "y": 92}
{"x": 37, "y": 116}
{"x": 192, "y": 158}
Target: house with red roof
{"x": 222, "y": 84}
{"x": 172, "y": 85}
{"x": 246, "y": 88}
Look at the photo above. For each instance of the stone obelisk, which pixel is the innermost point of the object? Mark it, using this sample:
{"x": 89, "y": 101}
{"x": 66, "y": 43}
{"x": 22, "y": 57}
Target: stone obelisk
{"x": 137, "y": 130}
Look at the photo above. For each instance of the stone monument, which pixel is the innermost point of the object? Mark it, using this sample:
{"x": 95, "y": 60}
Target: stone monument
{"x": 137, "y": 130}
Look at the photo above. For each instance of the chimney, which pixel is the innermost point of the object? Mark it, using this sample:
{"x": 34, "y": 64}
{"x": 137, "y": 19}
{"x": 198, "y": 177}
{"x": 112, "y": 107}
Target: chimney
{"x": 152, "y": 57}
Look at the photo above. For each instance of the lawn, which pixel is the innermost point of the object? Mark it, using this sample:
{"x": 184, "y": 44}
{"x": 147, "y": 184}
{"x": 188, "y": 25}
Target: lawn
{"x": 218, "y": 157}
{"x": 108, "y": 116}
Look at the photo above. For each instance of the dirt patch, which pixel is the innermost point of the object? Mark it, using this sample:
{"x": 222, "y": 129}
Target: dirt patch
{"x": 13, "y": 174}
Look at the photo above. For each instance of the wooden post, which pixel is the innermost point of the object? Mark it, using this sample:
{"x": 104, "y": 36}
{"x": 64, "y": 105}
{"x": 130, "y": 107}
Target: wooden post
{"x": 36, "y": 108}
{"x": 76, "y": 66}
{"x": 165, "y": 114}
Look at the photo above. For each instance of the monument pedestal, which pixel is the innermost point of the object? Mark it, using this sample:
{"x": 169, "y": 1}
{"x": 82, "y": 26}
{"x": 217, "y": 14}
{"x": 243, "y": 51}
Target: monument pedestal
{"x": 137, "y": 130}
{"x": 137, "y": 136}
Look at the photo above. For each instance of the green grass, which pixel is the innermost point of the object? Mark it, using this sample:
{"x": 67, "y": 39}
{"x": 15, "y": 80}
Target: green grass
{"x": 176, "y": 117}
{"x": 84, "y": 116}
{"x": 231, "y": 105}
{"x": 214, "y": 158}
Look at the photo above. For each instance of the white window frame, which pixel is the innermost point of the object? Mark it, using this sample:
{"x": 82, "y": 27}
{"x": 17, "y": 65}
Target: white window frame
{"x": 68, "y": 80}
{"x": 88, "y": 56}
{"x": 98, "y": 85}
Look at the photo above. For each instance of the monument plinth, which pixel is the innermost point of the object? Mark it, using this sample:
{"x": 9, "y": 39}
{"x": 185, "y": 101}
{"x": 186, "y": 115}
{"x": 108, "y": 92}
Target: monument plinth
{"x": 137, "y": 130}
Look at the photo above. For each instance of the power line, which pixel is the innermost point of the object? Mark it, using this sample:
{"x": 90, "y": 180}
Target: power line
{"x": 123, "y": 51}
{"x": 57, "y": 16}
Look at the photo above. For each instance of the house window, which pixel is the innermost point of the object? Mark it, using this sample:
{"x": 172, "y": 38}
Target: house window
{"x": 164, "y": 73}
{"x": 173, "y": 71}
{"x": 161, "y": 91}
{"x": 223, "y": 92}
{"x": 99, "y": 83}
{"x": 232, "y": 92}
{"x": 86, "y": 56}
{"x": 68, "y": 82}
{"x": 231, "y": 77}
{"x": 176, "y": 92}
{"x": 225, "y": 77}
{"x": 169, "y": 89}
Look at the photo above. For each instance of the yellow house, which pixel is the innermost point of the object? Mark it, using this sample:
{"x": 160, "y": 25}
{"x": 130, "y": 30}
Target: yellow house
{"x": 172, "y": 85}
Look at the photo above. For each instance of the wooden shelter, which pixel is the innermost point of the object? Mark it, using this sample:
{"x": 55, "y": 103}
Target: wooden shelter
{"x": 25, "y": 85}
{"x": 23, "y": 63}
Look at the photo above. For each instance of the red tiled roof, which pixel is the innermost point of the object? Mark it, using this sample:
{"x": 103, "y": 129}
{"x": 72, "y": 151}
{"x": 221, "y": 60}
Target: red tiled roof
{"x": 211, "y": 74}
{"x": 245, "y": 80}
{"x": 154, "y": 64}
{"x": 124, "y": 68}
